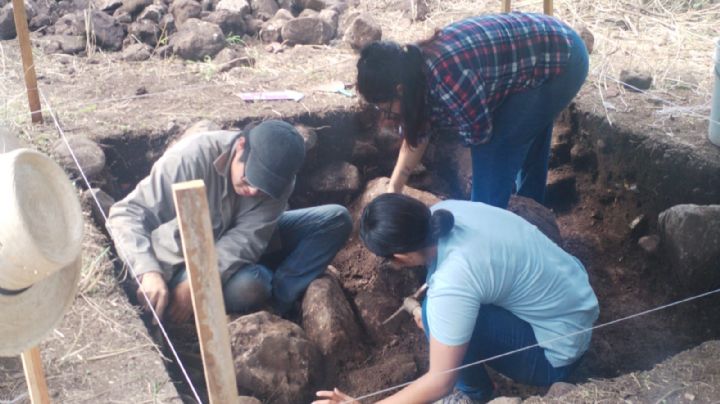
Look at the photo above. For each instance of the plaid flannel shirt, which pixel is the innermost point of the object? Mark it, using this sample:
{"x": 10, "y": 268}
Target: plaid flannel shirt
{"x": 474, "y": 64}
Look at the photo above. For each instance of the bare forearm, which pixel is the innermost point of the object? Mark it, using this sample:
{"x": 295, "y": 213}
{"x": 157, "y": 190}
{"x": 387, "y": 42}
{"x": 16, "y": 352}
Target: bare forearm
{"x": 408, "y": 159}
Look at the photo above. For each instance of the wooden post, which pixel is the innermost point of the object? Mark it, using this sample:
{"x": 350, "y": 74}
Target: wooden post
{"x": 201, "y": 262}
{"x": 506, "y": 8}
{"x": 548, "y": 7}
{"x": 21, "y": 27}
{"x": 34, "y": 376}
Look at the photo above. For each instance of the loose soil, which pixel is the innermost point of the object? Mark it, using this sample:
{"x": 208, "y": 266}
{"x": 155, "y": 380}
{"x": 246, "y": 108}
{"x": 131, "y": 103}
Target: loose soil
{"x": 103, "y": 353}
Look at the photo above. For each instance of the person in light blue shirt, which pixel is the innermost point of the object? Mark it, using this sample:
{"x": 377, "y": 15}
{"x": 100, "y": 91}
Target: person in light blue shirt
{"x": 496, "y": 284}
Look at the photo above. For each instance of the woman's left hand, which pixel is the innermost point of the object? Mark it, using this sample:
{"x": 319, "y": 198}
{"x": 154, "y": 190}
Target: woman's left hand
{"x": 334, "y": 397}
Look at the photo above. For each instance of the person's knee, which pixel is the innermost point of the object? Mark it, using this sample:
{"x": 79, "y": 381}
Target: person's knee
{"x": 339, "y": 221}
{"x": 248, "y": 290}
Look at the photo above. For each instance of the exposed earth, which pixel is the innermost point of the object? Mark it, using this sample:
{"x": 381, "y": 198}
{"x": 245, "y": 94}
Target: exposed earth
{"x": 620, "y": 158}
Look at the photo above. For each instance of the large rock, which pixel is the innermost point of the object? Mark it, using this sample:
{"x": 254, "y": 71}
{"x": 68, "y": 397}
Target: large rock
{"x": 307, "y": 31}
{"x": 235, "y": 6}
{"x": 271, "y": 30}
{"x": 145, "y": 31}
{"x": 197, "y": 39}
{"x": 99, "y": 203}
{"x": 153, "y": 12}
{"x": 328, "y": 319}
{"x": 108, "y": 33}
{"x": 374, "y": 308}
{"x": 134, "y": 7}
{"x": 274, "y": 360}
{"x": 230, "y": 22}
{"x": 136, "y": 52}
{"x": 264, "y": 9}
{"x": 537, "y": 214}
{"x": 636, "y": 80}
{"x": 230, "y": 58}
{"x": 377, "y": 187}
{"x": 319, "y": 5}
{"x": 7, "y": 23}
{"x": 88, "y": 153}
{"x": 68, "y": 44}
{"x": 362, "y": 30}
{"x": 691, "y": 240}
{"x": 70, "y": 24}
{"x": 184, "y": 10}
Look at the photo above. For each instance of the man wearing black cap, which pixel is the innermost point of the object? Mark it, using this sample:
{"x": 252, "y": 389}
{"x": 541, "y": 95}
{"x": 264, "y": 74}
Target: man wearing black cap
{"x": 263, "y": 250}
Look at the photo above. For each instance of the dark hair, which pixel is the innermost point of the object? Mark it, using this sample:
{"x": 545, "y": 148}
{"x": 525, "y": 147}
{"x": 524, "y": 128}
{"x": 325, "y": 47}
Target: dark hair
{"x": 385, "y": 64}
{"x": 395, "y": 224}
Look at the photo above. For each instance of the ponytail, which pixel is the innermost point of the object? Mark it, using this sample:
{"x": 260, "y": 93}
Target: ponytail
{"x": 441, "y": 222}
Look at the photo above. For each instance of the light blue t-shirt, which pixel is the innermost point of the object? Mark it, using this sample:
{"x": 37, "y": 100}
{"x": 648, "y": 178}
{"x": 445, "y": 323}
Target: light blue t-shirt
{"x": 492, "y": 256}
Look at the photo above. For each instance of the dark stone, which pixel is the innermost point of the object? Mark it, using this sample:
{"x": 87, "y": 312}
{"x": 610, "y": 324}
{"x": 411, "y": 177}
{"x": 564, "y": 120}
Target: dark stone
{"x": 690, "y": 237}
{"x": 134, "y": 7}
{"x": 184, "y": 10}
{"x": 264, "y": 9}
{"x": 271, "y": 30}
{"x": 336, "y": 177}
{"x": 68, "y": 44}
{"x": 99, "y": 213}
{"x": 328, "y": 319}
{"x": 636, "y": 81}
{"x": 235, "y": 6}
{"x": 145, "y": 31}
{"x": 70, "y": 24}
{"x": 274, "y": 360}
{"x": 153, "y": 12}
{"x": 88, "y": 153}
{"x": 197, "y": 39}
{"x": 230, "y": 22}
{"x": 108, "y": 33}
{"x": 307, "y": 31}
{"x": 230, "y": 58}
{"x": 537, "y": 215}
{"x": 639, "y": 227}
{"x": 137, "y": 52}
{"x": 362, "y": 30}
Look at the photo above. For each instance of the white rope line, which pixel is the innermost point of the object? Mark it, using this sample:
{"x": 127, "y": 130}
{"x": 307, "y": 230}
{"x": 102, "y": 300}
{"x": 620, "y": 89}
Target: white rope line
{"x": 642, "y": 313}
{"x": 132, "y": 270}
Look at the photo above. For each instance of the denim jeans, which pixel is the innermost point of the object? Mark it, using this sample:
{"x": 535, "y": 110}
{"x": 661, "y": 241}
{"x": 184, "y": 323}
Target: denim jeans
{"x": 518, "y": 152}
{"x": 310, "y": 239}
{"x": 498, "y": 331}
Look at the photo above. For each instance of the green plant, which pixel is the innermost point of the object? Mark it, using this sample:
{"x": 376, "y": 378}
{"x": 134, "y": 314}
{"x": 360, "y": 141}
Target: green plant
{"x": 234, "y": 39}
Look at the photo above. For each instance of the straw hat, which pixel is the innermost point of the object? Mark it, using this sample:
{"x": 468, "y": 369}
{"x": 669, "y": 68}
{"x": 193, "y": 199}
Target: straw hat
{"x": 41, "y": 229}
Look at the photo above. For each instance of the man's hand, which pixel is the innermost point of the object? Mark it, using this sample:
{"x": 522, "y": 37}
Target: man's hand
{"x": 334, "y": 397}
{"x": 155, "y": 288}
{"x": 181, "y": 308}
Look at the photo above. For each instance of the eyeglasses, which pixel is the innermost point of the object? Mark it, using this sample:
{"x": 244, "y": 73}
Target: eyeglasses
{"x": 387, "y": 113}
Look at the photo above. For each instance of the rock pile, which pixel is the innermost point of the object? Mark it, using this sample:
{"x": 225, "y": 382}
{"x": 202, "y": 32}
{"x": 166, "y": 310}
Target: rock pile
{"x": 190, "y": 29}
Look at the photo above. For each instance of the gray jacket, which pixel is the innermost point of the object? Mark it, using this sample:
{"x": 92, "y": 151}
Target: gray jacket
{"x": 144, "y": 225}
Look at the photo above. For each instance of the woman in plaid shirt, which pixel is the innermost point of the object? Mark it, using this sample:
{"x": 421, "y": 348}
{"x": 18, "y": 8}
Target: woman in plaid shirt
{"x": 497, "y": 80}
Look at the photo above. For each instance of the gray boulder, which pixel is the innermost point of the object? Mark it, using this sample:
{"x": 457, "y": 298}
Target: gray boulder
{"x": 67, "y": 44}
{"x": 153, "y": 12}
{"x": 70, "y": 24}
{"x": 145, "y": 31}
{"x": 230, "y": 22}
{"x": 236, "y": 6}
{"x": 7, "y": 23}
{"x": 108, "y": 33}
{"x": 137, "y": 52}
{"x": 264, "y": 9}
{"x": 197, "y": 39}
{"x": 636, "y": 81}
{"x": 538, "y": 215}
{"x": 134, "y": 7}
{"x": 88, "y": 153}
{"x": 328, "y": 319}
{"x": 319, "y": 5}
{"x": 362, "y": 30}
{"x": 691, "y": 240}
{"x": 307, "y": 31}
{"x": 337, "y": 176}
{"x": 274, "y": 360}
{"x": 184, "y": 10}
{"x": 271, "y": 30}
{"x": 104, "y": 200}
{"x": 230, "y": 58}
{"x": 331, "y": 17}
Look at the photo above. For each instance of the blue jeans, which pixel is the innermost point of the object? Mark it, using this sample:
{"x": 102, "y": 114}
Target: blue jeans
{"x": 310, "y": 239}
{"x": 518, "y": 152}
{"x": 498, "y": 331}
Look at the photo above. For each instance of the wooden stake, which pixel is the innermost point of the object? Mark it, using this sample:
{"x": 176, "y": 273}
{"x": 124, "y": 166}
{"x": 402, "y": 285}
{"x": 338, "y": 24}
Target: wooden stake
{"x": 548, "y": 7}
{"x": 34, "y": 376}
{"x": 21, "y": 27}
{"x": 506, "y": 8}
{"x": 201, "y": 262}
